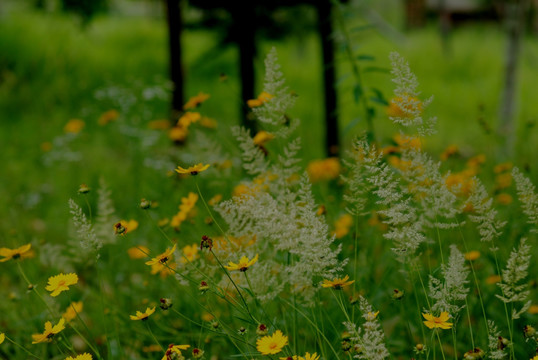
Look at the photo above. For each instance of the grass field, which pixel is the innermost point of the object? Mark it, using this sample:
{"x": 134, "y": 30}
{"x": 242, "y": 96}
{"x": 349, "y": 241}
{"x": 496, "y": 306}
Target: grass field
{"x": 349, "y": 222}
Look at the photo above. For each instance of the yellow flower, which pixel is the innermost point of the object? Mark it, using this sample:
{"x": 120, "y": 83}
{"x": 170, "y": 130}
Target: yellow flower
{"x": 187, "y": 119}
{"x": 504, "y": 198}
{"x": 74, "y": 126}
{"x": 178, "y": 133}
{"x": 215, "y": 200}
{"x": 533, "y": 309}
{"x": 18, "y": 253}
{"x": 262, "y": 99}
{"x": 174, "y": 349}
{"x": 337, "y": 283}
{"x": 321, "y": 170}
{"x": 472, "y": 255}
{"x": 72, "y": 311}
{"x": 476, "y": 161}
{"x": 84, "y": 356}
{"x": 342, "y": 226}
{"x": 193, "y": 170}
{"x": 372, "y": 316}
{"x": 138, "y": 252}
{"x": 2, "y": 337}
{"x": 61, "y": 282}
{"x": 451, "y": 150}
{"x": 190, "y": 253}
{"x": 49, "y": 332}
{"x": 408, "y": 142}
{"x": 243, "y": 264}
{"x": 309, "y": 356}
{"x": 404, "y": 107}
{"x": 502, "y": 181}
{"x": 208, "y": 123}
{"x": 107, "y": 117}
{"x": 269, "y": 345}
{"x": 493, "y": 279}
{"x": 437, "y": 322}
{"x": 142, "y": 315}
{"x": 163, "y": 270}
{"x": 500, "y": 168}
{"x": 294, "y": 357}
{"x": 262, "y": 138}
{"x": 130, "y": 225}
{"x": 195, "y": 101}
{"x": 162, "y": 258}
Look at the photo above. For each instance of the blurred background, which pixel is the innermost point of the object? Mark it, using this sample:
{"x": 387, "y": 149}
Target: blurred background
{"x": 124, "y": 69}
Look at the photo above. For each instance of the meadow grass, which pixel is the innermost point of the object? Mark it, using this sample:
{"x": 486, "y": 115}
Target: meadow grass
{"x": 53, "y": 71}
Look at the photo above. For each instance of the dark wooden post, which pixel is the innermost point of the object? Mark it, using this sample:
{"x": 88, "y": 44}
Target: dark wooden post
{"x": 173, "y": 15}
{"x": 332, "y": 137}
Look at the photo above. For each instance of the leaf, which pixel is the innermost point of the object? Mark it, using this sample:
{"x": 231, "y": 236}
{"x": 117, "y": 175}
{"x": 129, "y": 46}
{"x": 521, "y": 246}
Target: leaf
{"x": 366, "y": 58}
{"x": 376, "y": 69}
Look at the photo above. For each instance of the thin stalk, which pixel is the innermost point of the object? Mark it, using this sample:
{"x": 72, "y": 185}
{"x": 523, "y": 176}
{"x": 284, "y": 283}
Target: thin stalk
{"x": 152, "y": 335}
{"x": 22, "y": 348}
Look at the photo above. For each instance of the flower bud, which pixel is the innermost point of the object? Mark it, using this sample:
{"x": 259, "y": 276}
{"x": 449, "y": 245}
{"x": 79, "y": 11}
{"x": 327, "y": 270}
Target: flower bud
{"x": 166, "y": 303}
{"x": 398, "y": 294}
{"x": 197, "y": 353}
{"x": 145, "y": 204}
{"x": 83, "y": 189}
{"x": 203, "y": 287}
{"x": 261, "y": 330}
{"x": 119, "y": 229}
{"x": 206, "y": 243}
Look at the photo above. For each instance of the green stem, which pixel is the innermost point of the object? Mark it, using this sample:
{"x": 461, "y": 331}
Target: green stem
{"x": 152, "y": 335}
{"x": 22, "y": 348}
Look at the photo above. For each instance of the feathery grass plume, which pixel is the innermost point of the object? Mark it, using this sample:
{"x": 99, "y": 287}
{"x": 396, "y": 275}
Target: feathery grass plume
{"x": 85, "y": 232}
{"x": 493, "y": 342}
{"x": 284, "y": 221}
{"x": 52, "y": 256}
{"x": 274, "y": 111}
{"x": 406, "y": 98}
{"x": 516, "y": 270}
{"x": 526, "y": 192}
{"x": 105, "y": 212}
{"x": 370, "y": 337}
{"x": 485, "y": 215}
{"x": 254, "y": 161}
{"x": 453, "y": 289}
{"x": 428, "y": 188}
{"x": 372, "y": 175}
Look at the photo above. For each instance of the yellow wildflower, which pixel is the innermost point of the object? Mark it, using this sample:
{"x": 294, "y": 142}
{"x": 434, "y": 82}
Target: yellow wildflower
{"x": 193, "y": 170}
{"x": 504, "y": 198}
{"x": 174, "y": 349}
{"x": 72, "y": 311}
{"x": 190, "y": 253}
{"x": 195, "y": 101}
{"x": 533, "y": 309}
{"x": 61, "y": 282}
{"x": 84, "y": 356}
{"x": 450, "y": 151}
{"x": 502, "y": 181}
{"x": 243, "y": 264}
{"x": 262, "y": 99}
{"x": 2, "y": 337}
{"x": 74, "y": 126}
{"x": 309, "y": 356}
{"x": 151, "y": 348}
{"x": 269, "y": 345}
{"x": 178, "y": 134}
{"x": 500, "y": 168}
{"x": 472, "y": 255}
{"x": 372, "y": 316}
{"x": 208, "y": 123}
{"x": 321, "y": 170}
{"x": 162, "y": 258}
{"x": 138, "y": 252}
{"x": 130, "y": 225}
{"x": 342, "y": 226}
{"x": 493, "y": 279}
{"x": 262, "y": 138}
{"x": 476, "y": 161}
{"x": 337, "y": 283}
{"x": 404, "y": 107}
{"x": 108, "y": 117}
{"x": 163, "y": 269}
{"x": 215, "y": 200}
{"x": 142, "y": 315}
{"x": 408, "y": 142}
{"x": 22, "y": 252}
{"x": 188, "y": 118}
{"x": 49, "y": 332}
{"x": 437, "y": 322}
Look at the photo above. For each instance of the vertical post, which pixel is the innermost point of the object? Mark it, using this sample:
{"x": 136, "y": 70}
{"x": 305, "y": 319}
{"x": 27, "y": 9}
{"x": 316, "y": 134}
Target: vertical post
{"x": 325, "y": 28}
{"x": 173, "y": 16}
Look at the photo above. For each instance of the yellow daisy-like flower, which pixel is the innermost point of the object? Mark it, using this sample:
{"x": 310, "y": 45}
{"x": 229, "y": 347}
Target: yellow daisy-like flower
{"x": 61, "y": 282}
{"x": 187, "y": 119}
{"x": 163, "y": 269}
{"x": 142, "y": 315}
{"x": 49, "y": 332}
{"x": 337, "y": 283}
{"x": 195, "y": 101}
{"x": 22, "y": 252}
{"x": 437, "y": 322}
{"x": 322, "y": 170}
{"x": 2, "y": 337}
{"x": 74, "y": 126}
{"x": 243, "y": 264}
{"x": 162, "y": 258}
{"x": 108, "y": 117}
{"x": 72, "y": 311}
{"x": 190, "y": 253}
{"x": 262, "y": 138}
{"x": 138, "y": 252}
{"x": 262, "y": 99}
{"x": 174, "y": 349}
{"x": 269, "y": 345}
{"x": 84, "y": 356}
{"x": 294, "y": 357}
{"x": 309, "y": 356}
{"x": 130, "y": 225}
{"x": 193, "y": 170}
{"x": 472, "y": 255}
